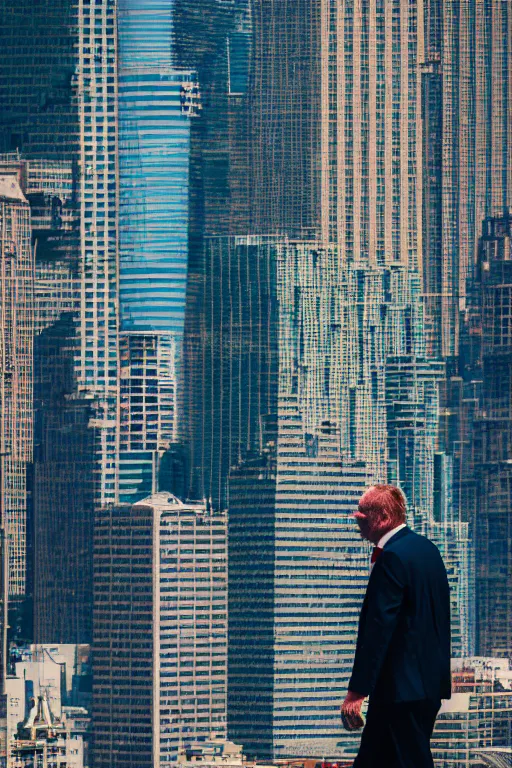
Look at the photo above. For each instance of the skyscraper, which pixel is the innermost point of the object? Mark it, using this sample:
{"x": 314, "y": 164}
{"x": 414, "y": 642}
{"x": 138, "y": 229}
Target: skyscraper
{"x": 297, "y": 574}
{"x": 58, "y": 577}
{"x": 371, "y": 130}
{"x": 491, "y": 444}
{"x": 467, "y": 84}
{"x": 231, "y": 375}
{"x": 160, "y": 630}
{"x": 58, "y": 109}
{"x": 156, "y": 102}
{"x": 16, "y": 371}
{"x": 284, "y": 124}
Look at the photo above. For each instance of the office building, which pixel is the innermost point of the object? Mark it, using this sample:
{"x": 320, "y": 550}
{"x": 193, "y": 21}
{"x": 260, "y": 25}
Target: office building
{"x": 160, "y": 630}
{"x": 297, "y": 575}
{"x": 231, "y": 359}
{"x": 61, "y": 476}
{"x": 283, "y": 122}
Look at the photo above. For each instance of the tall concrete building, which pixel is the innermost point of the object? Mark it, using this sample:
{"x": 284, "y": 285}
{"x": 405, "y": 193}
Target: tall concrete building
{"x": 16, "y": 375}
{"x": 59, "y": 577}
{"x": 467, "y": 84}
{"x": 16, "y": 411}
{"x": 160, "y": 630}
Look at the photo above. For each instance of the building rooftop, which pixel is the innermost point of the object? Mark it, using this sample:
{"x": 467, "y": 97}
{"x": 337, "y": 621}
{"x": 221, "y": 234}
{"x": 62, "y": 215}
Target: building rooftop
{"x": 10, "y": 188}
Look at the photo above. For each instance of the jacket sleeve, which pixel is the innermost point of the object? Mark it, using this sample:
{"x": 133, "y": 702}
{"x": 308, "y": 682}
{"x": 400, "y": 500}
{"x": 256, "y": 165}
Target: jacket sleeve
{"x": 384, "y": 598}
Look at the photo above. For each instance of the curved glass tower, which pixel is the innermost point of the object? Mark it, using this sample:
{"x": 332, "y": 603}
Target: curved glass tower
{"x": 155, "y": 103}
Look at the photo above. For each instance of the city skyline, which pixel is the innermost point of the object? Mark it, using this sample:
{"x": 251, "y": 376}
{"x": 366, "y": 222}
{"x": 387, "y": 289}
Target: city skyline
{"x": 255, "y": 258}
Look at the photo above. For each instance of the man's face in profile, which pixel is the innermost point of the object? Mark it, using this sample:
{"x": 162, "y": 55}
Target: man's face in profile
{"x": 372, "y": 524}
{"x": 364, "y": 524}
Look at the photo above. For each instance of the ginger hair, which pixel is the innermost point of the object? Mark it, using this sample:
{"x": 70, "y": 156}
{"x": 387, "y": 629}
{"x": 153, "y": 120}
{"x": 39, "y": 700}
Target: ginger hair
{"x": 387, "y": 498}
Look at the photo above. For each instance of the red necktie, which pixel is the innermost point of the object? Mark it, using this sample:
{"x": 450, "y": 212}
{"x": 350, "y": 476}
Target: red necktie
{"x": 376, "y": 552}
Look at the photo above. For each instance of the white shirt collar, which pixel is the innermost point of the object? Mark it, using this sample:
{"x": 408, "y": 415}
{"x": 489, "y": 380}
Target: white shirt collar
{"x": 384, "y": 540}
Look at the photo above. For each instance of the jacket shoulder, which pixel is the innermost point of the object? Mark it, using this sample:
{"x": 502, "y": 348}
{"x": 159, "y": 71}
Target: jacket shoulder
{"x": 413, "y": 545}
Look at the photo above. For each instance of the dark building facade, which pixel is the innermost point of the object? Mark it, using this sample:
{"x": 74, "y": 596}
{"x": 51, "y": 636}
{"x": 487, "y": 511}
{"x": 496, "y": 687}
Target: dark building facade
{"x": 492, "y": 441}
{"x": 63, "y": 489}
{"x": 123, "y": 639}
{"x": 231, "y": 359}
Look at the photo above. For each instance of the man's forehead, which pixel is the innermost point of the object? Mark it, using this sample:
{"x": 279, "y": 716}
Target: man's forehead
{"x": 365, "y": 494}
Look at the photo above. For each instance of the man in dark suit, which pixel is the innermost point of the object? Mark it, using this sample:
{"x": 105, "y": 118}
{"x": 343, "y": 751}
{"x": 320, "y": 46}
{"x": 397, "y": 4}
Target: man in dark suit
{"x": 402, "y": 659}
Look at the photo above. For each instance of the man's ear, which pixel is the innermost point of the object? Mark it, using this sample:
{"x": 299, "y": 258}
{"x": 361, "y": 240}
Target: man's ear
{"x": 385, "y": 517}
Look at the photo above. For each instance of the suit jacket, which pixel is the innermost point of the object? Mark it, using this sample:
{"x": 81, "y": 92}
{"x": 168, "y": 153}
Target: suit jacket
{"x": 403, "y": 644}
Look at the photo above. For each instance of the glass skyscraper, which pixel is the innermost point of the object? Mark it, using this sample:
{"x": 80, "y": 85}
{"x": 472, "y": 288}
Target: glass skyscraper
{"x": 156, "y": 102}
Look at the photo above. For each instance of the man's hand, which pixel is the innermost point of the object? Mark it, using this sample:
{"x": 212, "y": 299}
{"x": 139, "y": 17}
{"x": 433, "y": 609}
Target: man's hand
{"x": 351, "y": 711}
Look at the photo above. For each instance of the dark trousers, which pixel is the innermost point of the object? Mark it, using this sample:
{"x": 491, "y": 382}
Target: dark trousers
{"x": 398, "y": 735}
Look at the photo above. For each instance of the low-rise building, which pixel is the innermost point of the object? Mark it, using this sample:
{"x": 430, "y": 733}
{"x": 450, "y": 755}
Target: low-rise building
{"x": 43, "y": 739}
{"x": 478, "y": 717}
{"x": 46, "y": 726}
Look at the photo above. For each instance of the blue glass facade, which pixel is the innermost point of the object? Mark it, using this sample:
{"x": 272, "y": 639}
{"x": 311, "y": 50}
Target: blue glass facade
{"x": 145, "y": 32}
{"x": 154, "y": 139}
{"x": 154, "y": 154}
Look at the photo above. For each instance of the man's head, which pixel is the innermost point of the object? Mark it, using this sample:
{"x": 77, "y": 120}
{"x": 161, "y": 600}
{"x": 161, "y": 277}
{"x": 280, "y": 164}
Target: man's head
{"x": 380, "y": 510}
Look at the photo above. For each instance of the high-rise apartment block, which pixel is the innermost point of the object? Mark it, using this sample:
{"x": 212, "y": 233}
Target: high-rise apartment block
{"x": 160, "y": 630}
